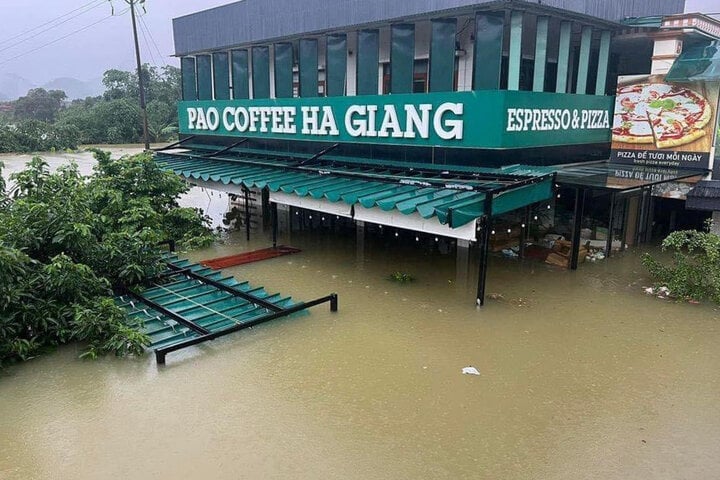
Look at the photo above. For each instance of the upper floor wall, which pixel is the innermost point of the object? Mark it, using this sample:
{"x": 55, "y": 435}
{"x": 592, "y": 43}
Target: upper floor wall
{"x": 253, "y": 21}
{"x": 502, "y": 49}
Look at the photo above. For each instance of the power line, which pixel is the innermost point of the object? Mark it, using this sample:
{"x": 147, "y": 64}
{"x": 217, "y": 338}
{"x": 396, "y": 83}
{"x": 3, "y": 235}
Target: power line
{"x": 147, "y": 43}
{"x": 49, "y": 28}
{"x": 157, "y": 49}
{"x": 56, "y": 40}
{"x": 49, "y": 21}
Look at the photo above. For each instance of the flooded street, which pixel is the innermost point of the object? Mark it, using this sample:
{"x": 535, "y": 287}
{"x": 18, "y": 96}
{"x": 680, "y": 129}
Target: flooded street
{"x": 582, "y": 375}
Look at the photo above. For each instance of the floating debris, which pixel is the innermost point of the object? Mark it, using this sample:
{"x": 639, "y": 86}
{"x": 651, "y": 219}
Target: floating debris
{"x": 470, "y": 371}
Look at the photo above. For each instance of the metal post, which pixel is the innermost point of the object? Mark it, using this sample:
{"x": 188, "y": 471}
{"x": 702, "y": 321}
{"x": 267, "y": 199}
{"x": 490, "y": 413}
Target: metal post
{"x": 484, "y": 245}
{"x": 274, "y": 214}
{"x": 333, "y": 302}
{"x": 247, "y": 212}
{"x": 611, "y": 222}
{"x": 143, "y": 108}
{"x": 577, "y": 224}
{"x": 524, "y": 231}
{"x": 650, "y": 215}
{"x": 626, "y": 202}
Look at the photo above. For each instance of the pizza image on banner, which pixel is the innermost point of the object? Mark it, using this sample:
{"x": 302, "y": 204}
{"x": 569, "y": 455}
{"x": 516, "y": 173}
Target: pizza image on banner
{"x": 664, "y": 124}
{"x": 664, "y": 115}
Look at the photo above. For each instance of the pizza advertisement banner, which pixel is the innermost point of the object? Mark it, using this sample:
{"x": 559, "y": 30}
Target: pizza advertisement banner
{"x": 663, "y": 124}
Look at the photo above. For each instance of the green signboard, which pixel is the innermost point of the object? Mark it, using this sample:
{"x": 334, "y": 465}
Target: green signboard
{"x": 477, "y": 119}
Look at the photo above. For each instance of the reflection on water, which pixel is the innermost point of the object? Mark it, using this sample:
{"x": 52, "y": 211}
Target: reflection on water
{"x": 582, "y": 376}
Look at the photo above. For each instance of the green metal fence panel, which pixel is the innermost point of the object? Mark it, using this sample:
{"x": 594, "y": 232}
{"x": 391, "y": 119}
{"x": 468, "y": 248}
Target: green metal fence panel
{"x": 221, "y": 75}
{"x": 368, "y": 59}
{"x": 283, "y": 70}
{"x": 336, "y": 65}
{"x": 402, "y": 58}
{"x": 603, "y": 60}
{"x": 584, "y": 60}
{"x": 240, "y": 74}
{"x": 541, "y": 37}
{"x": 261, "y": 72}
{"x": 204, "y": 77}
{"x": 442, "y": 55}
{"x": 563, "y": 57}
{"x": 308, "y": 67}
{"x": 189, "y": 79}
{"x": 488, "y": 50}
{"x": 515, "y": 50}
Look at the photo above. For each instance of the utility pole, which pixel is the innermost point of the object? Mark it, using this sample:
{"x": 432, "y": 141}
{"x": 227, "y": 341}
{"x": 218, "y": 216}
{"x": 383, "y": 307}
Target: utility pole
{"x": 141, "y": 85}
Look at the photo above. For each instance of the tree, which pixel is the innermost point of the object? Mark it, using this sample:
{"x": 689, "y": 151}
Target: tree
{"x": 39, "y": 104}
{"x": 115, "y": 117}
{"x": 694, "y": 272}
{"x": 67, "y": 241}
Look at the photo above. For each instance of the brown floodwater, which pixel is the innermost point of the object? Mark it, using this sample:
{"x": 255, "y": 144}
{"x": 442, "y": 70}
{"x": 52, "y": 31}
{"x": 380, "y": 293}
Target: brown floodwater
{"x": 582, "y": 375}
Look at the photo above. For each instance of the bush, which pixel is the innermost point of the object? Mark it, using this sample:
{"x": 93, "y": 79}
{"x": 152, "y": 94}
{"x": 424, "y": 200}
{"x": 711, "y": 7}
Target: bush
{"x": 37, "y": 136}
{"x": 695, "y": 269}
{"x": 66, "y": 241}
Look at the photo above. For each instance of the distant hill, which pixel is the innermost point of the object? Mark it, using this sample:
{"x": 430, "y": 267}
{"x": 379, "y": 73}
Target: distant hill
{"x": 75, "y": 88}
{"x": 14, "y": 86}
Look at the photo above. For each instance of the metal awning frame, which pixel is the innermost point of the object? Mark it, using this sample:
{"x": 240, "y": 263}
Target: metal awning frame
{"x": 273, "y": 311}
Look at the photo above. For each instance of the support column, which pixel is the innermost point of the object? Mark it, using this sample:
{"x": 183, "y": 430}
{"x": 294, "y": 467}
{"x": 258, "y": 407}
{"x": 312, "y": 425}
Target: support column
{"x": 524, "y": 231}
{"x": 246, "y": 191}
{"x": 360, "y": 242}
{"x": 603, "y": 60}
{"x": 631, "y": 220}
{"x": 584, "y": 60}
{"x": 462, "y": 262}
{"x": 484, "y": 247}
{"x": 611, "y": 222}
{"x": 577, "y": 224}
{"x": 283, "y": 218}
{"x": 274, "y": 214}
{"x": 515, "y": 51}
{"x": 563, "y": 57}
{"x": 541, "y": 37}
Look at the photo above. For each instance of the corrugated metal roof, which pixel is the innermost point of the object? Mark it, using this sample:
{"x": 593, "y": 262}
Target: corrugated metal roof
{"x": 209, "y": 307}
{"x": 454, "y": 200}
{"x": 704, "y": 196}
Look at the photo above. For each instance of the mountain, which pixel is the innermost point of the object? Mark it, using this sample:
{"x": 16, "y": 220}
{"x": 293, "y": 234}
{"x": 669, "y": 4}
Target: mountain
{"x": 75, "y": 88}
{"x": 13, "y": 86}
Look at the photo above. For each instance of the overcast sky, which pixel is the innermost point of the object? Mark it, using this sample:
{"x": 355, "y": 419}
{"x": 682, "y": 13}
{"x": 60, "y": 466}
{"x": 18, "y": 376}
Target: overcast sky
{"x": 107, "y": 44}
{"x": 87, "y": 53}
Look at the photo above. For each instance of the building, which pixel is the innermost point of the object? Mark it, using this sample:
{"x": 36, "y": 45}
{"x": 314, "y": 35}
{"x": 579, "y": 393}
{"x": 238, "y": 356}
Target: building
{"x": 453, "y": 118}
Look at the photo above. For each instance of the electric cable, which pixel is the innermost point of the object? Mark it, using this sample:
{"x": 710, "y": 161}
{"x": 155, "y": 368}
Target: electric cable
{"x": 55, "y": 25}
{"x": 147, "y": 44}
{"x": 157, "y": 49}
{"x": 58, "y": 39}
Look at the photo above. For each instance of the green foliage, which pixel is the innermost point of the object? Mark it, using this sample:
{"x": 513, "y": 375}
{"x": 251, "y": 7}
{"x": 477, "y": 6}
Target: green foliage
{"x": 67, "y": 240}
{"x": 37, "y": 136}
{"x": 42, "y": 122}
{"x": 401, "y": 277}
{"x": 695, "y": 269}
{"x": 39, "y": 104}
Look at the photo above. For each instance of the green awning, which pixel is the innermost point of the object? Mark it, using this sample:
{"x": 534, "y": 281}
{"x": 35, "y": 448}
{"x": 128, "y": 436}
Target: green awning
{"x": 699, "y": 62}
{"x": 454, "y": 198}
